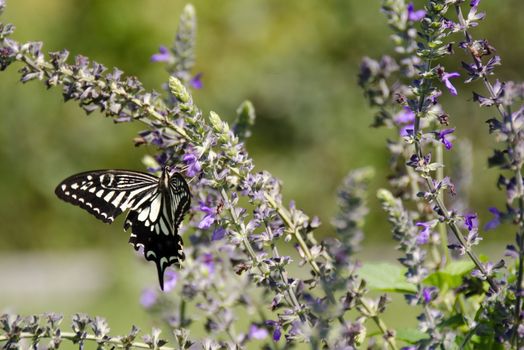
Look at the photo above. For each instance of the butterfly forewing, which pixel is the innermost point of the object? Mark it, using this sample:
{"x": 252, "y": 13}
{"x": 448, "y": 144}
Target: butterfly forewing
{"x": 107, "y": 193}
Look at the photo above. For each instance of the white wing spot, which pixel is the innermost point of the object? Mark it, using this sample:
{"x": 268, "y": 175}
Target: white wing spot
{"x": 64, "y": 187}
{"x": 100, "y": 193}
{"x": 163, "y": 227}
{"x": 108, "y": 196}
{"x": 67, "y": 193}
{"x": 92, "y": 189}
{"x": 81, "y": 200}
{"x": 89, "y": 177}
{"x": 74, "y": 196}
{"x": 155, "y": 208}
{"x": 118, "y": 199}
{"x": 143, "y": 214}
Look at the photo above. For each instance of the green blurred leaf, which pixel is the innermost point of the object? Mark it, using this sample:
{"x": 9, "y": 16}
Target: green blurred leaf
{"x": 454, "y": 321}
{"x": 459, "y": 268}
{"x": 451, "y": 275}
{"x": 386, "y": 277}
{"x": 410, "y": 335}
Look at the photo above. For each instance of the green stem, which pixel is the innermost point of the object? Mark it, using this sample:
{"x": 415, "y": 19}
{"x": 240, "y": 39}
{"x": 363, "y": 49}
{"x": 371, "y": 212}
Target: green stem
{"x": 449, "y": 221}
{"x": 249, "y": 248}
{"x": 520, "y": 188}
{"x": 283, "y": 213}
{"x": 441, "y": 226}
{"x": 115, "y": 341}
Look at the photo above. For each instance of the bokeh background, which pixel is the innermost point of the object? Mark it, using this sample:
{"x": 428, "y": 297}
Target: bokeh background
{"x": 296, "y": 60}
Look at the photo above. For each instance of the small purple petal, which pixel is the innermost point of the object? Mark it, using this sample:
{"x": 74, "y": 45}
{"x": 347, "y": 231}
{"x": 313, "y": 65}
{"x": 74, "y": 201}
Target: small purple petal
{"x": 170, "y": 280}
{"x": 163, "y": 55}
{"x": 277, "y": 333}
{"x": 493, "y": 223}
{"x": 196, "y": 82}
{"x": 441, "y": 135}
{"x": 427, "y": 295}
{"x": 423, "y": 236}
{"x": 474, "y": 3}
{"x": 413, "y": 15}
{"x": 148, "y": 298}
{"x": 208, "y": 261}
{"x": 256, "y": 332}
{"x": 193, "y": 164}
{"x": 471, "y": 221}
{"x": 218, "y": 234}
{"x": 407, "y": 130}
{"x": 445, "y": 79}
{"x": 206, "y": 222}
{"x": 405, "y": 116}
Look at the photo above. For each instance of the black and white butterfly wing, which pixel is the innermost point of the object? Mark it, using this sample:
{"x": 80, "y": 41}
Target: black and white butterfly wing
{"x": 107, "y": 193}
{"x": 154, "y": 225}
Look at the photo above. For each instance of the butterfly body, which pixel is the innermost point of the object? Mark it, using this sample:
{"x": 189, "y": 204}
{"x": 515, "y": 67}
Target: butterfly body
{"x": 156, "y": 207}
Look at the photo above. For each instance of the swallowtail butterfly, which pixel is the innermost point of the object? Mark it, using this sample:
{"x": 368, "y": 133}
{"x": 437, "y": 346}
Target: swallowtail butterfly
{"x": 156, "y": 208}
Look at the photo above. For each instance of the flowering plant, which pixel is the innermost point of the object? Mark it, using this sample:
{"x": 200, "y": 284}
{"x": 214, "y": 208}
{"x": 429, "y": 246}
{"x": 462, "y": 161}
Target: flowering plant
{"x": 235, "y": 275}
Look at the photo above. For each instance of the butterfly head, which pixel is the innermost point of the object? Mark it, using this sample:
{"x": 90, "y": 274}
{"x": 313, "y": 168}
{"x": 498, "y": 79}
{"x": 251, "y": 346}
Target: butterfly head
{"x": 165, "y": 177}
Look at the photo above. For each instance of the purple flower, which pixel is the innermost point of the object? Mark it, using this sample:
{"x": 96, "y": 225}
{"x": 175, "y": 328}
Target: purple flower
{"x": 277, "y": 332}
{"x": 474, "y": 3}
{"x": 218, "y": 234}
{"x": 471, "y": 221}
{"x": 441, "y": 136}
{"x": 256, "y": 332}
{"x": 196, "y": 82}
{"x": 170, "y": 280}
{"x": 148, "y": 298}
{"x": 427, "y": 294}
{"x": 193, "y": 165}
{"x": 512, "y": 251}
{"x": 413, "y": 15}
{"x": 163, "y": 55}
{"x": 423, "y": 236}
{"x": 405, "y": 119}
{"x": 445, "y": 79}
{"x": 493, "y": 223}
{"x": 208, "y": 261}
{"x": 208, "y": 219}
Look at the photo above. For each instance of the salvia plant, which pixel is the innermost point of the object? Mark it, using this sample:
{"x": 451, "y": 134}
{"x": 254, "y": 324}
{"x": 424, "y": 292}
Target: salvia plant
{"x": 245, "y": 290}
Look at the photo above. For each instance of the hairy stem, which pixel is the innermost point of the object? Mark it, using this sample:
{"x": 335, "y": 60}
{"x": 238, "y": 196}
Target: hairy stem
{"x": 73, "y": 337}
{"x": 506, "y": 114}
{"x": 309, "y": 258}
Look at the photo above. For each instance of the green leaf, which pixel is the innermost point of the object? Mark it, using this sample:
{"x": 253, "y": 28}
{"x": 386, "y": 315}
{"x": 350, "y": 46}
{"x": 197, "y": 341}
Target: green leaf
{"x": 451, "y": 275}
{"x": 386, "y": 277}
{"x": 410, "y": 335}
{"x": 454, "y": 322}
{"x": 459, "y": 268}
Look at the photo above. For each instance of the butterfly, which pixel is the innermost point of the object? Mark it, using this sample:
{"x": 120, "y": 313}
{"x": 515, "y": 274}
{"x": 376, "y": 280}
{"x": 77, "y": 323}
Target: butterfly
{"x": 156, "y": 208}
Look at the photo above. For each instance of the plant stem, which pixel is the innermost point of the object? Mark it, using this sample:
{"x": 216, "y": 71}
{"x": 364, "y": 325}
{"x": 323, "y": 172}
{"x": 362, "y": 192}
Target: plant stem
{"x": 293, "y": 300}
{"x": 507, "y": 115}
{"x": 443, "y": 233}
{"x": 283, "y": 213}
{"x": 115, "y": 342}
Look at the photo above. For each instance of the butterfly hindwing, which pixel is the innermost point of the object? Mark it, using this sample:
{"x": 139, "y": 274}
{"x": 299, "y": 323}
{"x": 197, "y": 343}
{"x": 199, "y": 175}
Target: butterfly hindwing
{"x": 154, "y": 226}
{"x": 107, "y": 193}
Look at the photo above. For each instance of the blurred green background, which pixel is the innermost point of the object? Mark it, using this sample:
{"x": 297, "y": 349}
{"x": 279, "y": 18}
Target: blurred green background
{"x": 296, "y": 60}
